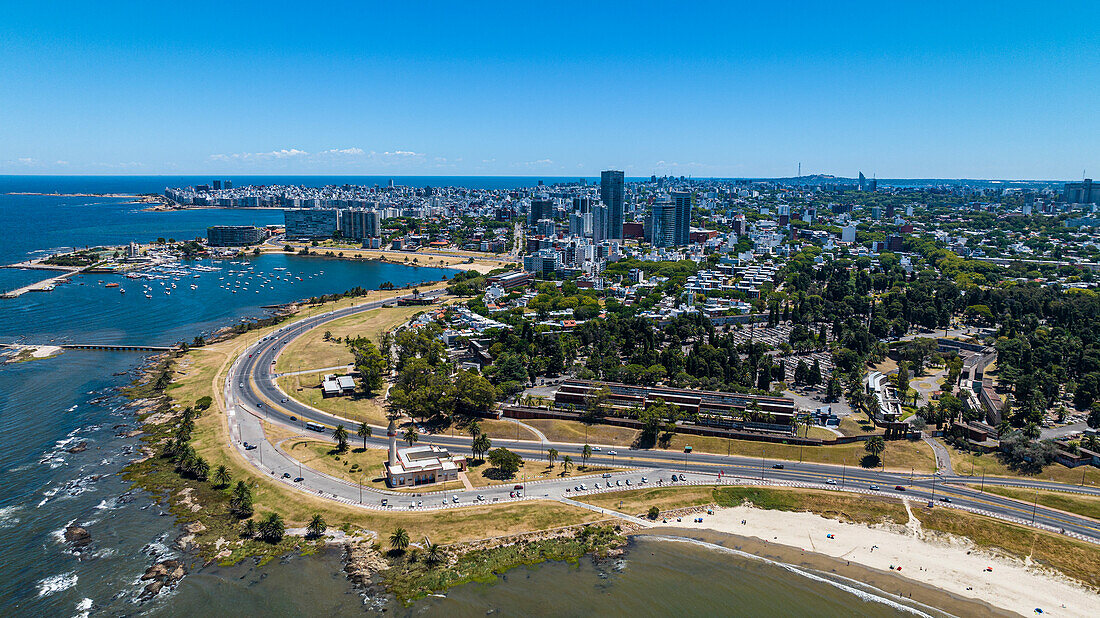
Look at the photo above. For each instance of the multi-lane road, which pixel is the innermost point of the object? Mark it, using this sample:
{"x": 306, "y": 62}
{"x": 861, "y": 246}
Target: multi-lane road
{"x": 252, "y": 394}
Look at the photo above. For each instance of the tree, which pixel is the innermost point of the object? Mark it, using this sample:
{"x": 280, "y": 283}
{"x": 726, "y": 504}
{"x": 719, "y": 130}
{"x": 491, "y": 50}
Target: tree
{"x": 241, "y": 501}
{"x": 566, "y": 462}
{"x": 654, "y": 512}
{"x": 364, "y": 432}
{"x": 552, "y": 454}
{"x": 586, "y": 452}
{"x": 1093, "y": 419}
{"x": 316, "y": 527}
{"x": 222, "y": 477}
{"x": 474, "y": 428}
{"x": 370, "y": 363}
{"x": 341, "y": 436}
{"x": 481, "y": 445}
{"x": 474, "y": 393}
{"x": 203, "y": 402}
{"x": 411, "y": 437}
{"x": 876, "y": 446}
{"x": 902, "y": 380}
{"x": 399, "y": 539}
{"x": 433, "y": 553}
{"x": 272, "y": 528}
{"x": 248, "y": 529}
{"x": 504, "y": 460}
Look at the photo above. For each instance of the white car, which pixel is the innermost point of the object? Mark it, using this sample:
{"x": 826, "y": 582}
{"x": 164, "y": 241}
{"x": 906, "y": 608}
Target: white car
{"x": 454, "y": 499}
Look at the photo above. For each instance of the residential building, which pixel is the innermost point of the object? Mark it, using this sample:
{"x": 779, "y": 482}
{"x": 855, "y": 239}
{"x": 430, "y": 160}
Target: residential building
{"x": 234, "y": 235}
{"x": 612, "y": 189}
{"x": 311, "y": 223}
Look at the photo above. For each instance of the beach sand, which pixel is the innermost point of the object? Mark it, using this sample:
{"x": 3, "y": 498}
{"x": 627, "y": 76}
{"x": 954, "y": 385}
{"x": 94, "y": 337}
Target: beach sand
{"x": 950, "y": 564}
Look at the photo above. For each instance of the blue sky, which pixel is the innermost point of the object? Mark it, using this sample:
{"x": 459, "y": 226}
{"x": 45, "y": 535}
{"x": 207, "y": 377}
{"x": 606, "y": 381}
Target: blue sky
{"x": 948, "y": 90}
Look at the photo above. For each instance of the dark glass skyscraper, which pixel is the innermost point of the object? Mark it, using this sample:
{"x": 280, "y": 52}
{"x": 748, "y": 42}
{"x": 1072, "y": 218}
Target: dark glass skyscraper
{"x": 611, "y": 192}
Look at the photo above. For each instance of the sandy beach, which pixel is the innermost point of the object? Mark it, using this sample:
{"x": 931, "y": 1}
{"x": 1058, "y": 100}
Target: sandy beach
{"x": 951, "y": 564}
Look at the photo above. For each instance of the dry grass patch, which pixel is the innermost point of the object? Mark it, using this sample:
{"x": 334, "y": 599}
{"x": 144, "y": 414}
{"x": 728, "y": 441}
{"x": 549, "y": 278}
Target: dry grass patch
{"x": 966, "y": 463}
{"x": 307, "y": 389}
{"x": 1086, "y": 506}
{"x": 311, "y": 350}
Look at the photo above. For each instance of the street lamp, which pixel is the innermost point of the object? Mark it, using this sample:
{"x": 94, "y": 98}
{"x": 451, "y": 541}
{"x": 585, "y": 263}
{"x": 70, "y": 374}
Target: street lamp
{"x": 761, "y": 463}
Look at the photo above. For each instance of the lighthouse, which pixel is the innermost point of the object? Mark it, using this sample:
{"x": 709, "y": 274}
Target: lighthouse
{"x": 391, "y": 431}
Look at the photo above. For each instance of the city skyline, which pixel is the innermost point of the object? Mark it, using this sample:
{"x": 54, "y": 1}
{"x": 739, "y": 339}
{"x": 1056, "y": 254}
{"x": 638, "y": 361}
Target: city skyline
{"x": 977, "y": 91}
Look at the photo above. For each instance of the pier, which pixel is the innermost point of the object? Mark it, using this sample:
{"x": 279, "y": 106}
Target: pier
{"x": 116, "y": 347}
{"x": 41, "y": 286}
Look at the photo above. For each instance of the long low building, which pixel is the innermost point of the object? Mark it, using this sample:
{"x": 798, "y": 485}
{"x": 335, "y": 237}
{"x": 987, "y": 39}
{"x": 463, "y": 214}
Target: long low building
{"x": 713, "y": 408}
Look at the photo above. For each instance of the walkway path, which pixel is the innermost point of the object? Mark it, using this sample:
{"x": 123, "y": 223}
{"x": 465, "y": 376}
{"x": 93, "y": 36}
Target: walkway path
{"x": 943, "y": 456}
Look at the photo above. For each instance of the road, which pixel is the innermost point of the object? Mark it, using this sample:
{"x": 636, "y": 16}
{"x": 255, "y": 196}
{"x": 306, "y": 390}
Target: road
{"x": 251, "y": 394}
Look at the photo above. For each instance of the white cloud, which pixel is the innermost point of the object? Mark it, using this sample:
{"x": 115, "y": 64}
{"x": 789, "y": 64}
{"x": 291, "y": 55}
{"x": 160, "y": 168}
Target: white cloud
{"x": 26, "y": 160}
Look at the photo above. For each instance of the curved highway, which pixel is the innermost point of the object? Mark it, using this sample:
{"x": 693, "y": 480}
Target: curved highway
{"x": 251, "y": 394}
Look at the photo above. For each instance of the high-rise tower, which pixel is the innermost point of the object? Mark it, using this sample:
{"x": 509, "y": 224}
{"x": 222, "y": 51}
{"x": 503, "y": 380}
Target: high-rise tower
{"x": 611, "y": 193}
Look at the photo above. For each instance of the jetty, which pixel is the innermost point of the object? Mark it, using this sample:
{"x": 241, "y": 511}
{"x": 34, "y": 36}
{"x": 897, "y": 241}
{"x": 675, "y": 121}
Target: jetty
{"x": 106, "y": 347}
{"x": 40, "y": 286}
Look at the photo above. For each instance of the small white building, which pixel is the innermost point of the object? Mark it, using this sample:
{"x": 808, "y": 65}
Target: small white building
{"x": 334, "y": 385}
{"x": 420, "y": 465}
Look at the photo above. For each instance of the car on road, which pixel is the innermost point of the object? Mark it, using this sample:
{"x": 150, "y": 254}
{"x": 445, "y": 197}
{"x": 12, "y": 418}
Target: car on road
{"x": 259, "y": 404}
{"x": 612, "y": 453}
{"x": 286, "y": 475}
{"x": 606, "y": 475}
{"x": 873, "y": 488}
{"x": 595, "y": 448}
{"x": 899, "y": 487}
{"x": 517, "y": 487}
{"x": 618, "y": 483}
{"x": 627, "y": 481}
{"x": 284, "y": 400}
{"x": 299, "y": 480}
{"x": 645, "y": 480}
{"x": 293, "y": 418}
{"x": 830, "y": 481}
{"x": 385, "y": 502}
{"x": 945, "y": 499}
{"x": 480, "y": 497}
{"x": 242, "y": 384}
{"x": 777, "y": 466}
{"x": 687, "y": 449}
{"x": 454, "y": 499}
{"x": 584, "y": 487}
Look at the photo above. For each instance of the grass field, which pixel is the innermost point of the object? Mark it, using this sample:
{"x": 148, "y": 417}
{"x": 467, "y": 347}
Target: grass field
{"x": 1087, "y": 506}
{"x": 312, "y": 351}
{"x": 901, "y": 455}
{"x": 975, "y": 464}
{"x": 307, "y": 389}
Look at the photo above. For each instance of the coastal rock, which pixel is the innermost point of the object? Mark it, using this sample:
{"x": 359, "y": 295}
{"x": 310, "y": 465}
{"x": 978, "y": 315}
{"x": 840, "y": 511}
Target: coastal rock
{"x": 78, "y": 537}
{"x": 79, "y": 448}
{"x": 362, "y": 562}
{"x": 195, "y": 527}
{"x": 162, "y": 574}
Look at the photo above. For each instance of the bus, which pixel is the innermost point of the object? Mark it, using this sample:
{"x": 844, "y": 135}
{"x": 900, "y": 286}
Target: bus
{"x": 315, "y": 426}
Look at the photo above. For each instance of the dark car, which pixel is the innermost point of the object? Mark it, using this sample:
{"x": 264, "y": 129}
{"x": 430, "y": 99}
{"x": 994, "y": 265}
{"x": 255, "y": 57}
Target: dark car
{"x": 899, "y": 487}
{"x": 777, "y": 466}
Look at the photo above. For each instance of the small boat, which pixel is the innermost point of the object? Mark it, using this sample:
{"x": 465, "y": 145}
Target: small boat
{"x": 122, "y": 290}
{"x": 110, "y": 285}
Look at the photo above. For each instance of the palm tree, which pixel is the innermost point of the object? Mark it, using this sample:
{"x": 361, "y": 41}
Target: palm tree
{"x": 433, "y": 553}
{"x": 399, "y": 540}
{"x": 411, "y": 436}
{"x": 565, "y": 463}
{"x": 876, "y": 446}
{"x": 474, "y": 429}
{"x": 341, "y": 436}
{"x": 317, "y": 526}
{"x": 586, "y": 452}
{"x": 364, "y": 432}
{"x": 222, "y": 477}
{"x": 272, "y": 528}
{"x": 552, "y": 454}
{"x": 481, "y": 445}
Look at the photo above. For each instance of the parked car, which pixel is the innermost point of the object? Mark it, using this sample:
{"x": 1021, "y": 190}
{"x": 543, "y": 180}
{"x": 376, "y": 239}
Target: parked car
{"x": 454, "y": 499}
{"x": 945, "y": 499}
{"x": 873, "y": 488}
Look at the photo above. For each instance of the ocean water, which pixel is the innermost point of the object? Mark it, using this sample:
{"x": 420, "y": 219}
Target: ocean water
{"x": 70, "y": 402}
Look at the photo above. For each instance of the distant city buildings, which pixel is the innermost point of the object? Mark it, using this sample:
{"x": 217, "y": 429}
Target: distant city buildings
{"x": 1084, "y": 192}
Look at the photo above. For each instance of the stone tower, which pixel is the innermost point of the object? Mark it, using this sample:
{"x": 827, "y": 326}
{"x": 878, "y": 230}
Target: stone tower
{"x": 391, "y": 431}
